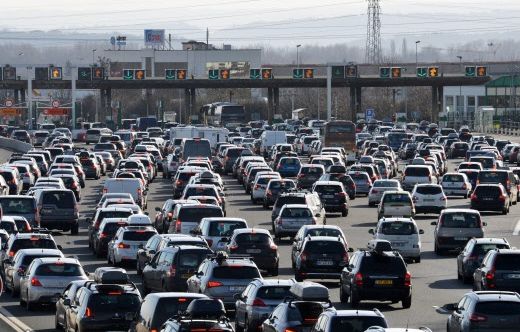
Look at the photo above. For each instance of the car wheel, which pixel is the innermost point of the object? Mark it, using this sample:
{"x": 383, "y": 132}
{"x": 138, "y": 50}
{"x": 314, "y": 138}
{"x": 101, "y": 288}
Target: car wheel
{"x": 407, "y": 302}
{"x": 29, "y": 305}
{"x": 343, "y": 296}
{"x": 344, "y": 213}
{"x": 504, "y": 211}
{"x": 274, "y": 271}
{"x": 246, "y": 325}
{"x": 22, "y": 302}
{"x": 459, "y": 276}
{"x": 265, "y": 206}
{"x": 138, "y": 269}
{"x": 57, "y": 325}
{"x": 74, "y": 230}
{"x": 354, "y": 299}
{"x": 418, "y": 259}
{"x": 298, "y": 277}
{"x": 466, "y": 279}
{"x": 238, "y": 328}
{"x": 146, "y": 290}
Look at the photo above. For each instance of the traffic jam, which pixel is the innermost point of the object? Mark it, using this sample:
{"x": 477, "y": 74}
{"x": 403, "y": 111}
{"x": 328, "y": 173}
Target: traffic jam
{"x": 195, "y": 263}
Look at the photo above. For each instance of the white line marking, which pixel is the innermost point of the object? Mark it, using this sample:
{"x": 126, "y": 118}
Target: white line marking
{"x": 517, "y": 228}
{"x": 13, "y": 322}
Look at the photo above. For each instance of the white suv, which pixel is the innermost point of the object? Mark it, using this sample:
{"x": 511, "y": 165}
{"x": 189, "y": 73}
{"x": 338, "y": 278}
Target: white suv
{"x": 414, "y": 174}
{"x": 402, "y": 233}
{"x": 429, "y": 198}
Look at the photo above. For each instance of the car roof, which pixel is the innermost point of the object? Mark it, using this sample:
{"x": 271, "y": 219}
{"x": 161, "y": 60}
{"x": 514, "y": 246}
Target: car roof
{"x": 34, "y": 251}
{"x": 296, "y": 206}
{"x": 483, "y": 240}
{"x": 328, "y": 183}
{"x": 251, "y": 230}
{"x": 174, "y": 295}
{"x": 65, "y": 260}
{"x": 508, "y": 251}
{"x": 493, "y": 295}
{"x": 274, "y": 282}
{"x": 355, "y": 313}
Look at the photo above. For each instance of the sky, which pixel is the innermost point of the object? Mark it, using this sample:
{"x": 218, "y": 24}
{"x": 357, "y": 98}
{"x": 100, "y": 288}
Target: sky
{"x": 285, "y": 22}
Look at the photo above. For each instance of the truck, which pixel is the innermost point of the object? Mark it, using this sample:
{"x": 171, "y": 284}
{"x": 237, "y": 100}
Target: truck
{"x": 270, "y": 138}
{"x": 145, "y": 122}
{"x": 213, "y": 134}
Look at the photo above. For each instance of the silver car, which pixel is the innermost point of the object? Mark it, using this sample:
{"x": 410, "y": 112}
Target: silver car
{"x": 46, "y": 278}
{"x": 21, "y": 260}
{"x": 362, "y": 181}
{"x": 455, "y": 227}
{"x": 378, "y": 189}
{"x": 223, "y": 276}
{"x": 258, "y": 300}
{"x": 292, "y": 217}
{"x": 126, "y": 243}
{"x": 217, "y": 229}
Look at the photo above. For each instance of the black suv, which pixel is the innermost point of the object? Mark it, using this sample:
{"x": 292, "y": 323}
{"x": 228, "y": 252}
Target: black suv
{"x": 102, "y": 307}
{"x": 500, "y": 270}
{"x": 376, "y": 274}
{"x": 201, "y": 315}
{"x": 321, "y": 257}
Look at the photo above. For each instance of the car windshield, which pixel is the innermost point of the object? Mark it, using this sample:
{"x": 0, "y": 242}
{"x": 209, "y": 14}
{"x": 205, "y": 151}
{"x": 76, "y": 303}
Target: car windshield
{"x": 141, "y": 236}
{"x": 224, "y": 228}
{"x": 236, "y": 272}
{"x": 398, "y": 228}
{"x": 508, "y": 262}
{"x": 428, "y": 190}
{"x": 273, "y": 292}
{"x": 59, "y": 269}
{"x": 328, "y": 189}
{"x": 60, "y": 199}
{"x": 500, "y": 308}
{"x": 114, "y": 302}
{"x": 252, "y": 238}
{"x": 296, "y": 213}
{"x": 461, "y": 220}
{"x": 356, "y": 323}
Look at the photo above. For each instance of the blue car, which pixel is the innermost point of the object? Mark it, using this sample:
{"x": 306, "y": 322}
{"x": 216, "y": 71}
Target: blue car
{"x": 289, "y": 166}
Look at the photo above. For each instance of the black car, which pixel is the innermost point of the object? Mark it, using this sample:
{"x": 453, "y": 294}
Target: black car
{"x": 345, "y": 179}
{"x": 107, "y": 230}
{"x": 309, "y": 173}
{"x": 490, "y": 197}
{"x": 333, "y": 196}
{"x": 274, "y": 188}
{"x": 171, "y": 267}
{"x": 103, "y": 307}
{"x": 376, "y": 274}
{"x": 201, "y": 315}
{"x": 320, "y": 257}
{"x": 500, "y": 270}
{"x": 458, "y": 149}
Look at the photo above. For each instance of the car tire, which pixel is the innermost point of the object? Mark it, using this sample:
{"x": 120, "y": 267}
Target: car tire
{"x": 146, "y": 290}
{"x": 298, "y": 277}
{"x": 407, "y": 302}
{"x": 418, "y": 259}
{"x": 466, "y": 280}
{"x": 343, "y": 296}
{"x": 274, "y": 271}
{"x": 466, "y": 196}
{"x": 354, "y": 299}
{"x": 74, "y": 230}
{"x": 266, "y": 207}
{"x": 504, "y": 211}
{"x": 57, "y": 325}
{"x": 238, "y": 328}
{"x": 21, "y": 302}
{"x": 344, "y": 213}
{"x": 138, "y": 269}
{"x": 30, "y": 306}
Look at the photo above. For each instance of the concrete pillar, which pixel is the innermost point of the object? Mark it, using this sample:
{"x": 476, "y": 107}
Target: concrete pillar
{"x": 22, "y": 95}
{"x": 270, "y": 107}
{"x": 353, "y": 103}
{"x": 108, "y": 104}
{"x": 358, "y": 100}
{"x": 435, "y": 98}
{"x": 187, "y": 106}
{"x": 102, "y": 111}
{"x": 276, "y": 100}
{"x": 16, "y": 96}
{"x": 193, "y": 102}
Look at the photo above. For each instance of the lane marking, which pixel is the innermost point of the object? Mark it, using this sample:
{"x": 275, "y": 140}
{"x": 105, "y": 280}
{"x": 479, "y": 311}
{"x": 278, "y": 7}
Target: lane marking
{"x": 13, "y": 322}
{"x": 517, "y": 228}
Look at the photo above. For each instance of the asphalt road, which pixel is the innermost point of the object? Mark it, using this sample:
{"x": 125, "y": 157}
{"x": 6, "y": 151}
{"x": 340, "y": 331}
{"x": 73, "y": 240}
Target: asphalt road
{"x": 434, "y": 279}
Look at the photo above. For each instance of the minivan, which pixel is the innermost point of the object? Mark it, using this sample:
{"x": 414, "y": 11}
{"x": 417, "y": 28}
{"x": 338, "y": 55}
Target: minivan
{"x": 57, "y": 209}
{"x": 19, "y": 205}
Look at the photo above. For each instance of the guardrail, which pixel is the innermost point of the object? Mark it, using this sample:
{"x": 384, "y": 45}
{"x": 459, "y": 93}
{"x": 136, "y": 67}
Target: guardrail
{"x": 14, "y": 145}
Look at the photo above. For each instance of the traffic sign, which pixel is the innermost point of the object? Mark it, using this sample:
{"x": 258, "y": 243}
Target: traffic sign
{"x": 254, "y": 74}
{"x": 351, "y": 71}
{"x": 9, "y": 73}
{"x": 224, "y": 74}
{"x": 422, "y": 72}
{"x": 84, "y": 73}
{"x": 267, "y": 73}
{"x": 128, "y": 74}
{"x": 384, "y": 72}
{"x": 55, "y": 103}
{"x": 433, "y": 71}
{"x": 139, "y": 74}
{"x": 297, "y": 73}
{"x": 213, "y": 74}
{"x": 308, "y": 73}
{"x": 181, "y": 74}
{"x": 481, "y": 71}
{"x": 41, "y": 73}
{"x": 9, "y": 102}
{"x": 338, "y": 71}
{"x": 98, "y": 73}
{"x": 470, "y": 71}
{"x": 396, "y": 72}
{"x": 170, "y": 74}
{"x": 369, "y": 114}
{"x": 56, "y": 73}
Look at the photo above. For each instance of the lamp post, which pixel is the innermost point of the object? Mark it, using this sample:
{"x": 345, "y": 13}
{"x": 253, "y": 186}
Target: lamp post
{"x": 416, "y": 45}
{"x": 94, "y": 56}
{"x": 460, "y": 89}
{"x": 298, "y": 55}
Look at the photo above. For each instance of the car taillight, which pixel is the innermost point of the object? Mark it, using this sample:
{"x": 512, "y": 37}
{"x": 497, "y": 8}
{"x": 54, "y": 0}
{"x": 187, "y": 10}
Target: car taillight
{"x": 279, "y": 221}
{"x": 233, "y": 247}
{"x": 11, "y": 253}
{"x": 257, "y": 186}
{"x": 304, "y": 256}
{"x": 35, "y": 282}
{"x": 212, "y": 284}
{"x": 178, "y": 225}
{"x": 358, "y": 278}
{"x": 123, "y": 246}
{"x": 490, "y": 278}
{"x": 415, "y": 198}
{"x": 477, "y": 318}
{"x": 178, "y": 182}
{"x": 173, "y": 271}
{"x": 139, "y": 192}
{"x": 502, "y": 198}
{"x": 408, "y": 279}
{"x": 341, "y": 194}
{"x": 210, "y": 242}
{"x": 258, "y": 303}
{"x": 105, "y": 190}
{"x": 269, "y": 193}
{"x": 300, "y": 176}
{"x": 464, "y": 186}
{"x": 443, "y": 198}
{"x": 345, "y": 257}
{"x": 273, "y": 247}
{"x": 314, "y": 220}
{"x": 73, "y": 185}
{"x": 374, "y": 191}
{"x": 103, "y": 235}
{"x": 288, "y": 329}
{"x": 474, "y": 197}
{"x": 88, "y": 312}
{"x": 170, "y": 215}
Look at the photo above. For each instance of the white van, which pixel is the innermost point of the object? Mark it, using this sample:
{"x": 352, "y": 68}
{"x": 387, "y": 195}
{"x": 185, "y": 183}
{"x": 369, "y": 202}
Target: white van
{"x": 270, "y": 138}
{"x": 125, "y": 185}
{"x": 402, "y": 233}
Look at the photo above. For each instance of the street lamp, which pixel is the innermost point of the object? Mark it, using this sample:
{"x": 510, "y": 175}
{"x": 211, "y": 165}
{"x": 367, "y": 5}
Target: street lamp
{"x": 93, "y": 56}
{"x": 298, "y": 56}
{"x": 416, "y": 44}
{"x": 459, "y": 109}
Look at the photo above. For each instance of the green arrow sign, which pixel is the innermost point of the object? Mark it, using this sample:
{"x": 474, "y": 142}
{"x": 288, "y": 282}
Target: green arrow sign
{"x": 213, "y": 74}
{"x": 470, "y": 71}
{"x": 255, "y": 74}
{"x": 169, "y": 74}
{"x": 84, "y": 73}
{"x": 128, "y": 74}
{"x": 384, "y": 72}
{"x": 422, "y": 72}
{"x": 297, "y": 73}
{"x": 338, "y": 72}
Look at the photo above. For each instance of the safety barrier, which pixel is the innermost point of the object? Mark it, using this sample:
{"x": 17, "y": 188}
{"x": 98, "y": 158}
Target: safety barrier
{"x": 14, "y": 145}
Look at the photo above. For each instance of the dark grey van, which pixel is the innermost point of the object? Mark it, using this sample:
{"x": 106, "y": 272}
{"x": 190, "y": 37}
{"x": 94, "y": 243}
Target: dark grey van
{"x": 57, "y": 209}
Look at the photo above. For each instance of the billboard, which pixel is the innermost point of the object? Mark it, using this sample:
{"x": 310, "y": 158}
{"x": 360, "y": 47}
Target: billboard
{"x": 154, "y": 37}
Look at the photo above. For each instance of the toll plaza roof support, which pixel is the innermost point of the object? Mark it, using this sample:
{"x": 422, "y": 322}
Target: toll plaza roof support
{"x": 353, "y": 103}
{"x": 437, "y": 97}
{"x": 270, "y": 106}
{"x": 276, "y": 100}
{"x": 187, "y": 106}
{"x": 358, "y": 99}
{"x": 193, "y": 101}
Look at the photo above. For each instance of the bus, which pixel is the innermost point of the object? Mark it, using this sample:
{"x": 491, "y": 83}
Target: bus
{"x": 145, "y": 122}
{"x": 222, "y": 113}
{"x": 394, "y": 138}
{"x": 340, "y": 133}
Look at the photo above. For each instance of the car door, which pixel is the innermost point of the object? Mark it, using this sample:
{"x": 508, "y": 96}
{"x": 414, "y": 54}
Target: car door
{"x": 195, "y": 280}
{"x": 241, "y": 305}
{"x": 152, "y": 271}
{"x": 457, "y": 317}
{"x": 72, "y": 312}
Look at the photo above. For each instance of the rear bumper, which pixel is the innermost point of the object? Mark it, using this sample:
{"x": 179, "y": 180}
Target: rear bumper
{"x": 429, "y": 209}
{"x": 63, "y": 224}
{"x": 329, "y": 207}
{"x": 487, "y": 206}
{"x": 383, "y": 294}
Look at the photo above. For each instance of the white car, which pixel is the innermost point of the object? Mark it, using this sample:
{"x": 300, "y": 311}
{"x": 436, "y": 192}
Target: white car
{"x": 126, "y": 242}
{"x": 429, "y": 198}
{"x": 259, "y": 187}
{"x": 396, "y": 203}
{"x": 217, "y": 230}
{"x": 456, "y": 184}
{"x": 402, "y": 233}
{"x": 378, "y": 189}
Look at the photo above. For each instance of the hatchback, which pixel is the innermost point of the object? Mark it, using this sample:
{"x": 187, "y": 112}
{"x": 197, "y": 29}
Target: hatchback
{"x": 471, "y": 257}
{"x": 378, "y": 189}
{"x": 500, "y": 270}
{"x": 217, "y": 230}
{"x": 456, "y": 184}
{"x": 292, "y": 217}
{"x": 429, "y": 198}
{"x": 188, "y": 216}
{"x": 274, "y": 188}
{"x": 308, "y": 175}
{"x": 455, "y": 227}
{"x": 403, "y": 235}
{"x": 125, "y": 244}
{"x": 396, "y": 204}
{"x": 362, "y": 181}
{"x": 490, "y": 197}
{"x": 332, "y": 195}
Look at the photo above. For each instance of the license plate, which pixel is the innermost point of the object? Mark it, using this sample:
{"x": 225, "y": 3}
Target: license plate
{"x": 513, "y": 276}
{"x": 253, "y": 251}
{"x": 429, "y": 200}
{"x": 328, "y": 196}
{"x": 185, "y": 275}
{"x": 325, "y": 263}
{"x": 487, "y": 199}
{"x": 384, "y": 282}
{"x": 236, "y": 288}
{"x": 46, "y": 211}
{"x": 461, "y": 238}
{"x": 397, "y": 244}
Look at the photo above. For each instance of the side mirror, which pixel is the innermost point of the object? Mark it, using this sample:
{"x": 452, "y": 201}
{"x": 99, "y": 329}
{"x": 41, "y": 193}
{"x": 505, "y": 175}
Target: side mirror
{"x": 140, "y": 246}
{"x": 88, "y": 219}
{"x": 484, "y": 224}
{"x": 433, "y": 223}
{"x": 146, "y": 213}
{"x": 318, "y": 215}
{"x": 66, "y": 302}
{"x": 350, "y": 249}
{"x": 371, "y": 231}
{"x": 238, "y": 296}
{"x": 59, "y": 247}
{"x": 224, "y": 239}
{"x": 7, "y": 261}
{"x": 157, "y": 209}
{"x": 21, "y": 274}
{"x": 451, "y": 306}
{"x": 421, "y": 231}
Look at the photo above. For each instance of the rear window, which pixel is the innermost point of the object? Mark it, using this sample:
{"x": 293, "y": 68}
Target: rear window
{"x": 252, "y": 238}
{"x": 461, "y": 220}
{"x": 386, "y": 184}
{"x": 328, "y": 189}
{"x": 185, "y": 176}
{"x": 169, "y": 308}
{"x": 397, "y": 198}
{"x": 60, "y": 199}
{"x": 329, "y": 247}
{"x": 453, "y": 178}
{"x": 17, "y": 205}
{"x": 138, "y": 235}
{"x": 493, "y": 191}
{"x": 33, "y": 243}
{"x": 27, "y": 259}
{"x": 195, "y": 214}
{"x": 201, "y": 191}
{"x": 111, "y": 228}
{"x": 7, "y": 226}
{"x": 500, "y": 308}
{"x": 508, "y": 262}
{"x": 192, "y": 259}
{"x": 8, "y": 176}
{"x": 281, "y": 184}
{"x": 59, "y": 269}
{"x": 416, "y": 171}
{"x": 235, "y": 272}
{"x": 296, "y": 213}
{"x": 114, "y": 302}
{"x": 429, "y": 190}
{"x": 398, "y": 228}
{"x": 305, "y": 312}
{"x": 354, "y": 324}
{"x": 273, "y": 292}
{"x": 492, "y": 177}
{"x": 233, "y": 153}
{"x": 224, "y": 228}
{"x": 382, "y": 264}
{"x": 312, "y": 170}
{"x": 281, "y": 201}
{"x": 114, "y": 214}
{"x": 482, "y": 249}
